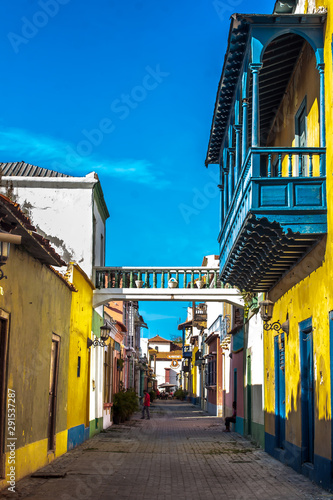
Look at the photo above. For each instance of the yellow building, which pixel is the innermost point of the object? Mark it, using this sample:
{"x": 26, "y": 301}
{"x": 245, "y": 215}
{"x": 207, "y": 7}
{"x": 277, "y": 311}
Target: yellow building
{"x": 35, "y": 309}
{"x": 79, "y": 357}
{"x": 271, "y": 135}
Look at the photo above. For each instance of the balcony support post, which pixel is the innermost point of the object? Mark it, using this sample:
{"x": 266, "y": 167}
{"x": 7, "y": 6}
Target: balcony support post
{"x": 238, "y": 129}
{"x": 245, "y": 106}
{"x": 255, "y": 68}
{"x": 321, "y": 68}
{"x": 225, "y": 193}
{"x": 231, "y": 164}
{"x": 220, "y": 186}
{"x": 231, "y": 176}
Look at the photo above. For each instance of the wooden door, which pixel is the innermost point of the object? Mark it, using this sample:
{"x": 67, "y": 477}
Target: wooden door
{"x": 53, "y": 391}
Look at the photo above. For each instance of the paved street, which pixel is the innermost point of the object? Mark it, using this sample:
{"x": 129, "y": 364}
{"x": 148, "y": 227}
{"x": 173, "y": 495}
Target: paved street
{"x": 180, "y": 453}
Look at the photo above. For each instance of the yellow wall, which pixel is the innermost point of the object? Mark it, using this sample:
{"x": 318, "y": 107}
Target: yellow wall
{"x": 81, "y": 321}
{"x": 39, "y": 304}
{"x": 310, "y": 298}
{"x": 32, "y": 457}
{"x": 194, "y": 373}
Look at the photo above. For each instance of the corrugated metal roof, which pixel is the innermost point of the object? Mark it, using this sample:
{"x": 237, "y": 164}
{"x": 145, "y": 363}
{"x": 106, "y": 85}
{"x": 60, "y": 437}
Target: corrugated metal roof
{"x": 23, "y": 169}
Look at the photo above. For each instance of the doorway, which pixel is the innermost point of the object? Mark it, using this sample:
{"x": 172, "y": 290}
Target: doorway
{"x": 280, "y": 391}
{"x": 249, "y": 394}
{"x": 52, "y": 408}
{"x": 307, "y": 390}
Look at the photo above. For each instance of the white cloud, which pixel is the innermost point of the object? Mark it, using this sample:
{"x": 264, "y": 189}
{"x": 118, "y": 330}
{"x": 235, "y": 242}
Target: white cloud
{"x": 58, "y": 155}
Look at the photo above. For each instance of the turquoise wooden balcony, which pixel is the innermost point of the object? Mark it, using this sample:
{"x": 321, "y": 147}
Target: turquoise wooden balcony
{"x": 272, "y": 166}
{"x": 273, "y": 220}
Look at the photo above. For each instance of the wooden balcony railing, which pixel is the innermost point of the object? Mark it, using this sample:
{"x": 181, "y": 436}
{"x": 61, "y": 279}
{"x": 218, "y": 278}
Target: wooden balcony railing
{"x": 151, "y": 277}
{"x": 272, "y": 166}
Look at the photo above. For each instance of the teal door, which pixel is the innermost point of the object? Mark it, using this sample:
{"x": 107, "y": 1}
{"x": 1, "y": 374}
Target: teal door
{"x": 249, "y": 395}
{"x": 280, "y": 392}
{"x": 307, "y": 390}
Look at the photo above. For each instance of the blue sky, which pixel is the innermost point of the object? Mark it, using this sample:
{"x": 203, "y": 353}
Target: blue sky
{"x": 127, "y": 89}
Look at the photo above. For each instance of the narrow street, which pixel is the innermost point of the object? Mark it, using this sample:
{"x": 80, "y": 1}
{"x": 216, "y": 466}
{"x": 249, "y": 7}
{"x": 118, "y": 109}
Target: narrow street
{"x": 180, "y": 453}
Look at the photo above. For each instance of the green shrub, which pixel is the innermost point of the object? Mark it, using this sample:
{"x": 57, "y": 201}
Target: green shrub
{"x": 125, "y": 403}
{"x": 180, "y": 394}
{"x": 152, "y": 395}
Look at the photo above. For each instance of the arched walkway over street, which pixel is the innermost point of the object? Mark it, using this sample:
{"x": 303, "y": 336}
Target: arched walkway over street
{"x": 162, "y": 283}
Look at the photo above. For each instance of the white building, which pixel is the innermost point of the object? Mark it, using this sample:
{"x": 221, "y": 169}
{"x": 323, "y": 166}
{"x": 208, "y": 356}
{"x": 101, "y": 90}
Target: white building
{"x": 165, "y": 360}
{"x": 71, "y": 213}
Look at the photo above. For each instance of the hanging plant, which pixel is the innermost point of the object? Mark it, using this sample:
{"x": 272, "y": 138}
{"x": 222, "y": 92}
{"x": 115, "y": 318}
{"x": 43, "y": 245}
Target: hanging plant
{"x": 120, "y": 364}
{"x": 250, "y": 303}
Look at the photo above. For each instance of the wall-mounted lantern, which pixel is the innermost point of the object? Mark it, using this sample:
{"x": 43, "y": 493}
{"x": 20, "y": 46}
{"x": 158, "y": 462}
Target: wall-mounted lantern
{"x": 266, "y": 313}
{"x": 105, "y": 334}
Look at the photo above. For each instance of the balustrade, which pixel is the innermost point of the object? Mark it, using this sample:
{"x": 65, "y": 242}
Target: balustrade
{"x": 143, "y": 277}
{"x": 221, "y": 326}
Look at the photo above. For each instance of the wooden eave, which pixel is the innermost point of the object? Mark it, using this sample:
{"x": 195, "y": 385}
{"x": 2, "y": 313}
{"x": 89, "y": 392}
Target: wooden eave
{"x": 263, "y": 253}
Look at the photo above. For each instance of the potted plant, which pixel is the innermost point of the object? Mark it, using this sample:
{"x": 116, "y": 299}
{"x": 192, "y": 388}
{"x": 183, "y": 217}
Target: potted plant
{"x": 172, "y": 283}
{"x": 139, "y": 283}
{"x": 125, "y": 403}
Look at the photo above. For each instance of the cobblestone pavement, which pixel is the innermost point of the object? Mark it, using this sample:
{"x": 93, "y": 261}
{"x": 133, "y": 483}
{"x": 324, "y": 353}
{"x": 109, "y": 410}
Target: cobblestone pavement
{"x": 180, "y": 453}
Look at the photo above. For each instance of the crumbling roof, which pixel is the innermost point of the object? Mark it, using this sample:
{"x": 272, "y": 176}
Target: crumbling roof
{"x": 23, "y": 169}
{"x": 13, "y": 220}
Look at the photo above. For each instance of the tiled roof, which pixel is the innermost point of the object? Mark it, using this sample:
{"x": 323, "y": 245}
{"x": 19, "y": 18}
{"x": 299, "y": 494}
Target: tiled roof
{"x": 23, "y": 169}
{"x": 157, "y": 338}
{"x": 13, "y": 220}
{"x": 64, "y": 279}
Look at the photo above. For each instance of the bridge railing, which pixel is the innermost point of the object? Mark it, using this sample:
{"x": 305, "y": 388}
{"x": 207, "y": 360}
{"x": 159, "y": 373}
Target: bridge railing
{"x": 161, "y": 277}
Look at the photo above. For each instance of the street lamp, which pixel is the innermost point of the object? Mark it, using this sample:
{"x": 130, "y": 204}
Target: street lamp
{"x": 266, "y": 313}
{"x": 105, "y": 334}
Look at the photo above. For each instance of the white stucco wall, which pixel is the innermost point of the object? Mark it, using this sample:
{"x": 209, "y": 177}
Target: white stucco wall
{"x": 162, "y": 346}
{"x": 99, "y": 249}
{"x": 62, "y": 210}
{"x": 160, "y": 371}
{"x": 214, "y": 309}
{"x": 255, "y": 347}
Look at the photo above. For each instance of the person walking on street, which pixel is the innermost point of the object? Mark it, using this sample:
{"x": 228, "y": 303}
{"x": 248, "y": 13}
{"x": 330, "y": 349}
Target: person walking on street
{"x": 146, "y": 404}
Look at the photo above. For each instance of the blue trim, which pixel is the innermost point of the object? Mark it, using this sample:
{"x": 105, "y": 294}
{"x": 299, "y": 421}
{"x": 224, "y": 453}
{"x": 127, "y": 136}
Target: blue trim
{"x": 307, "y": 390}
{"x": 76, "y": 435}
{"x": 239, "y": 425}
{"x": 280, "y": 396}
{"x": 320, "y": 67}
{"x": 319, "y": 471}
{"x": 255, "y": 68}
{"x": 212, "y": 409}
{"x": 86, "y": 433}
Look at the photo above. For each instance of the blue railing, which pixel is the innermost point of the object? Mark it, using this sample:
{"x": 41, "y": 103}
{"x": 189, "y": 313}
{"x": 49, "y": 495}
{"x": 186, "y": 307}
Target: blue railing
{"x": 187, "y": 351}
{"x": 275, "y": 182}
{"x": 220, "y": 326}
